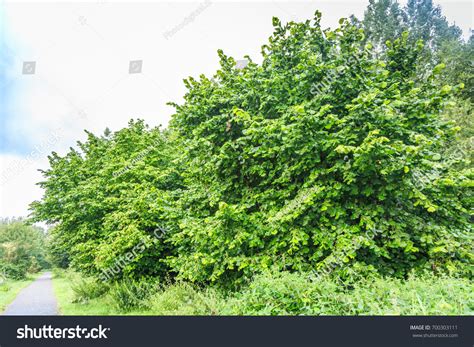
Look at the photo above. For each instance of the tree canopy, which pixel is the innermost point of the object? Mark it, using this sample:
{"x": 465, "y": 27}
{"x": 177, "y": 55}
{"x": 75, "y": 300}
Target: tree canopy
{"x": 320, "y": 158}
{"x": 22, "y": 248}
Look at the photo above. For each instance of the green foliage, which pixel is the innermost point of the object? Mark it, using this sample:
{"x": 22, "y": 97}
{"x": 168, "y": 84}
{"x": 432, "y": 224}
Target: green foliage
{"x": 299, "y": 294}
{"x": 107, "y": 200}
{"x": 22, "y": 249}
{"x": 182, "y": 298}
{"x": 34, "y": 265}
{"x": 59, "y": 272}
{"x": 384, "y": 20}
{"x": 57, "y": 248}
{"x": 329, "y": 156}
{"x": 426, "y": 22}
{"x": 131, "y": 294}
{"x": 460, "y": 150}
{"x": 422, "y": 19}
{"x": 285, "y": 293}
{"x": 312, "y": 160}
{"x": 86, "y": 289}
{"x": 416, "y": 296}
{"x": 457, "y": 56}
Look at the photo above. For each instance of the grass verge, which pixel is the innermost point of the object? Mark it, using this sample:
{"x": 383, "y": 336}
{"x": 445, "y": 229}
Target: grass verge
{"x": 9, "y": 289}
{"x": 67, "y": 304}
{"x": 268, "y": 294}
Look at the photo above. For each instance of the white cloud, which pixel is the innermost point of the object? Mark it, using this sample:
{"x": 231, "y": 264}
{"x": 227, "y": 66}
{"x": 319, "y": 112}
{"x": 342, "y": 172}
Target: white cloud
{"x": 19, "y": 189}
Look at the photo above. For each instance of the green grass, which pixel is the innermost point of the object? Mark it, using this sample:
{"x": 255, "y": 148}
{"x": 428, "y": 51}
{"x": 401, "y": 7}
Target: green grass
{"x": 290, "y": 294}
{"x": 9, "y": 289}
{"x": 64, "y": 285}
{"x": 63, "y": 289}
{"x": 270, "y": 294}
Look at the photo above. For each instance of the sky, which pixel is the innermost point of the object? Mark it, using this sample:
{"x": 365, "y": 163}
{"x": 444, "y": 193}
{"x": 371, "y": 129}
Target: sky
{"x": 66, "y": 66}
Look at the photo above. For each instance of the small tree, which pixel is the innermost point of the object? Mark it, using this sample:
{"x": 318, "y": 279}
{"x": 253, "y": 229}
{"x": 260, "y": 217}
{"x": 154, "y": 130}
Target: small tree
{"x": 22, "y": 248}
{"x": 106, "y": 199}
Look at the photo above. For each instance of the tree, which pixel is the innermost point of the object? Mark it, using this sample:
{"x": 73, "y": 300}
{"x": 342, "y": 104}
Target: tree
{"x": 457, "y": 56}
{"x": 386, "y": 20}
{"x": 325, "y": 157}
{"x": 312, "y": 160}
{"x": 427, "y": 23}
{"x": 22, "y": 248}
{"x": 108, "y": 197}
{"x": 383, "y": 20}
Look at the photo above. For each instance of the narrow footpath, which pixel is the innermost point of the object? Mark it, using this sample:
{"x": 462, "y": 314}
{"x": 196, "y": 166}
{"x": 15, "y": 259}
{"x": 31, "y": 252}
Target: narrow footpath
{"x": 35, "y": 300}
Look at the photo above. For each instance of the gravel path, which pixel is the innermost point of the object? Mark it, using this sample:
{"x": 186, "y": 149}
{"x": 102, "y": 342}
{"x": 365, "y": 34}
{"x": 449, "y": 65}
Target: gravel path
{"x": 35, "y": 300}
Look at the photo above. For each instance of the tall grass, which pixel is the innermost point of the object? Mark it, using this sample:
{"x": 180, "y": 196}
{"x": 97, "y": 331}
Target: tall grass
{"x": 278, "y": 293}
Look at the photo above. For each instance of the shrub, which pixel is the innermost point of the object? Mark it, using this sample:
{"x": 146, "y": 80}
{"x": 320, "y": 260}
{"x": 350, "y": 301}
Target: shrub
{"x": 186, "y": 299}
{"x": 326, "y": 156}
{"x": 14, "y": 271}
{"x": 34, "y": 265}
{"x": 131, "y": 294}
{"x": 4, "y": 287}
{"x": 418, "y": 295}
{"x": 284, "y": 293}
{"x": 59, "y": 272}
{"x": 300, "y": 294}
{"x": 88, "y": 288}
{"x": 323, "y": 156}
{"x": 107, "y": 199}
